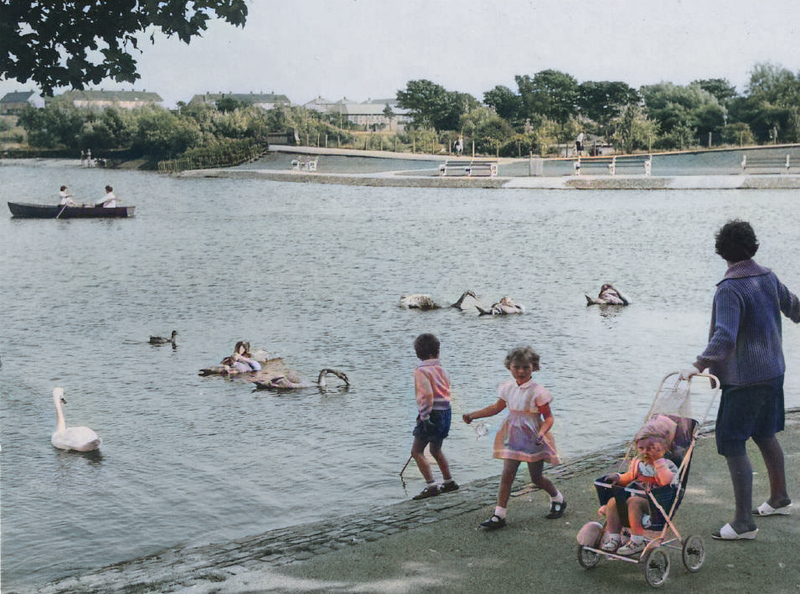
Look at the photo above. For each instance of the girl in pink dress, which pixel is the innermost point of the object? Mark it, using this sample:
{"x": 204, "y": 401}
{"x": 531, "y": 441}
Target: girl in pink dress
{"x": 524, "y": 435}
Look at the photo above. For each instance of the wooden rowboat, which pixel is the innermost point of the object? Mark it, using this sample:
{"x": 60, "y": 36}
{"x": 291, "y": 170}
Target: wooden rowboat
{"x": 21, "y": 210}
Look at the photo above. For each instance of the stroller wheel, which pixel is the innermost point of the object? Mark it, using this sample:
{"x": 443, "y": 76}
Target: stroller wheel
{"x": 588, "y": 558}
{"x": 693, "y": 553}
{"x": 655, "y": 565}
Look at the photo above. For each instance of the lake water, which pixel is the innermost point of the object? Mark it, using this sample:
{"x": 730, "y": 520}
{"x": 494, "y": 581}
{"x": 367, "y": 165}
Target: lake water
{"x": 314, "y": 273}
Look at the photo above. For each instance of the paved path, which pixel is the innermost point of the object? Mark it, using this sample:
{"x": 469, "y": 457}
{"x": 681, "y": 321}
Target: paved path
{"x": 433, "y": 545}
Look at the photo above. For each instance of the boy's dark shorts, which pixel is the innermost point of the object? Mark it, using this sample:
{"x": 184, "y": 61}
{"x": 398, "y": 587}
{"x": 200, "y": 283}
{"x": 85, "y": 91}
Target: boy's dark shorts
{"x": 440, "y": 429}
{"x": 749, "y": 411}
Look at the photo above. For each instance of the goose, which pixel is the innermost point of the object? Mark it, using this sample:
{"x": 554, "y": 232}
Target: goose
{"x": 283, "y": 383}
{"x": 426, "y": 302}
{"x": 80, "y": 439}
{"x": 503, "y": 307}
{"x": 162, "y": 340}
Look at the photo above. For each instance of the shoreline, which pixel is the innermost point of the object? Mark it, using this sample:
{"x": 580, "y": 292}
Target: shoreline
{"x": 407, "y": 179}
{"x": 284, "y": 560}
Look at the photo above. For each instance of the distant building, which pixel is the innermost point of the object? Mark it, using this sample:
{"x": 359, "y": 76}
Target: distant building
{"x": 15, "y": 102}
{"x": 120, "y": 99}
{"x": 369, "y": 113}
{"x": 262, "y": 100}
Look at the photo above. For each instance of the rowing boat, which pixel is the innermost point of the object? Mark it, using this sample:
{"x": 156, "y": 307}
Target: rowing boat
{"x": 21, "y": 210}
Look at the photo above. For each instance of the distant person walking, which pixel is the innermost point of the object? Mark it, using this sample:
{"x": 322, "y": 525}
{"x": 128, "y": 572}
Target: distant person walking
{"x": 524, "y": 435}
{"x": 745, "y": 352}
{"x": 432, "y": 387}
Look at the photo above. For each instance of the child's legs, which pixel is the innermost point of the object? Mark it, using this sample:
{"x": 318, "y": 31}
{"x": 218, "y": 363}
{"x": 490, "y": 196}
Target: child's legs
{"x": 418, "y": 453}
{"x": 506, "y": 481}
{"x": 436, "y": 452}
{"x": 637, "y": 508}
{"x": 541, "y": 481}
{"x": 613, "y": 523}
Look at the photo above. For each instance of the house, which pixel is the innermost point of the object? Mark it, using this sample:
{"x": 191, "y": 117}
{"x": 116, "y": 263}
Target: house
{"x": 263, "y": 100}
{"x": 102, "y": 99}
{"x": 370, "y": 113}
{"x": 16, "y": 101}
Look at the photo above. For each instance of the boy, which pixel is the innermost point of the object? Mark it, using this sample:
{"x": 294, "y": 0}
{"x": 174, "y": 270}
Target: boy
{"x": 432, "y": 387}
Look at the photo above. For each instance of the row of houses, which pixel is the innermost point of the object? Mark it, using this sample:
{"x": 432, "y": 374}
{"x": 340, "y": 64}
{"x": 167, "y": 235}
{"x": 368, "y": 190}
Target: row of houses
{"x": 373, "y": 113}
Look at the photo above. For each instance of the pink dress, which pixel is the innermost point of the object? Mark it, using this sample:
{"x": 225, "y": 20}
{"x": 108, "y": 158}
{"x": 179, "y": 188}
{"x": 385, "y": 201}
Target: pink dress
{"x": 516, "y": 439}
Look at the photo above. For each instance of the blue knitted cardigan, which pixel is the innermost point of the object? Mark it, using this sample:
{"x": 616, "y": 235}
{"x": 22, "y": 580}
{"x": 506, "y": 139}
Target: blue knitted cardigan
{"x": 745, "y": 343}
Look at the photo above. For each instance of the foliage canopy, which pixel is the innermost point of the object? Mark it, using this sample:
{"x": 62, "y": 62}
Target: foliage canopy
{"x": 72, "y": 43}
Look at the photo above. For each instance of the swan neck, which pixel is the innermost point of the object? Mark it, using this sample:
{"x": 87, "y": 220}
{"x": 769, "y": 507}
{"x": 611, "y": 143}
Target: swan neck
{"x": 60, "y": 422}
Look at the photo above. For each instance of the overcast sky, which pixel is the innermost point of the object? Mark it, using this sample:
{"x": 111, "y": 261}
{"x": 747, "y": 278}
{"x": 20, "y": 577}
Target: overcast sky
{"x": 368, "y": 49}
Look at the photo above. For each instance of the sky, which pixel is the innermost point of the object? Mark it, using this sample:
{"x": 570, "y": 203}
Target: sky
{"x": 370, "y": 49}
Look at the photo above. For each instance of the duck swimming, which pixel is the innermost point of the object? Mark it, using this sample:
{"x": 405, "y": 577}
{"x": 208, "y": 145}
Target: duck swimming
{"x": 426, "y": 302}
{"x": 162, "y": 340}
{"x": 609, "y": 295}
{"x": 286, "y": 383}
{"x": 79, "y": 439}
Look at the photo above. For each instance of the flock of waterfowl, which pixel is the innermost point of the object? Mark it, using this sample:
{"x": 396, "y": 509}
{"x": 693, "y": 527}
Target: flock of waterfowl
{"x": 270, "y": 373}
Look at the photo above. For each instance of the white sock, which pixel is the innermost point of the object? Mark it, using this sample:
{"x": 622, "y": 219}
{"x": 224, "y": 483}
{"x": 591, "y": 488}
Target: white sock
{"x": 448, "y": 481}
{"x": 432, "y": 484}
{"x": 637, "y": 538}
{"x": 613, "y": 536}
{"x": 559, "y": 498}
{"x": 500, "y": 512}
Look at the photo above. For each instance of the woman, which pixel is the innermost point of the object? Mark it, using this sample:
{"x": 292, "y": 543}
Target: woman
{"x": 744, "y": 351}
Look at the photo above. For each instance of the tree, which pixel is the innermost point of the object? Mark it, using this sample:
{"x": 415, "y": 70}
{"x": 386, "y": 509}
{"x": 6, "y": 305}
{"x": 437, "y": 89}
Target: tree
{"x": 506, "y": 103}
{"x": 632, "y": 130}
{"x": 69, "y": 43}
{"x": 550, "y": 94}
{"x": 603, "y": 101}
{"x": 721, "y": 88}
{"x": 433, "y": 106}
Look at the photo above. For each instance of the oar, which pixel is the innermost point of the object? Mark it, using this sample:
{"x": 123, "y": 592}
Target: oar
{"x": 63, "y": 208}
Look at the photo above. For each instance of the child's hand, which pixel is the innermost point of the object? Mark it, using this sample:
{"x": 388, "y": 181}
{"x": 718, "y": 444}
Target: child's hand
{"x": 467, "y": 418}
{"x": 539, "y": 439}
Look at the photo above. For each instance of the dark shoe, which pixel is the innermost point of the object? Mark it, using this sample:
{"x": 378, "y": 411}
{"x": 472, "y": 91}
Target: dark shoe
{"x": 556, "y": 509}
{"x": 447, "y": 487}
{"x": 493, "y": 523}
{"x": 430, "y": 491}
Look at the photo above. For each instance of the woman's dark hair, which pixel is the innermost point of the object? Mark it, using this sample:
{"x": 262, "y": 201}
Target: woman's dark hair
{"x": 736, "y": 241}
{"x": 426, "y": 346}
{"x": 524, "y": 354}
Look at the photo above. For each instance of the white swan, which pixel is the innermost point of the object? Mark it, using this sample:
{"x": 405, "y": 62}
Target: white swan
{"x": 80, "y": 439}
{"x": 284, "y": 383}
{"x": 426, "y": 302}
{"x": 503, "y": 307}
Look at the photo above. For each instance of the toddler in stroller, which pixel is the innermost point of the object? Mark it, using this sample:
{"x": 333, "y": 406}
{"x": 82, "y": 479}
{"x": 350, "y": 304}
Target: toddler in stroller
{"x": 651, "y": 469}
{"x": 643, "y": 500}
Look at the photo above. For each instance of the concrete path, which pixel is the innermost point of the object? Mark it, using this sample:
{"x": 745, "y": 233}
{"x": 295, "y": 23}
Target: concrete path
{"x": 434, "y": 546}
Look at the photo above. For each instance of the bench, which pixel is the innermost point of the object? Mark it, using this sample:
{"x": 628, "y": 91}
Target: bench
{"x": 305, "y": 164}
{"x": 766, "y": 163}
{"x": 468, "y": 168}
{"x": 642, "y": 162}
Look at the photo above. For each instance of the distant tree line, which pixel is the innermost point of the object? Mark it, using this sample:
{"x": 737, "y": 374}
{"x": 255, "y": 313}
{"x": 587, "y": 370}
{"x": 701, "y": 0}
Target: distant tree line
{"x": 551, "y": 107}
{"x": 546, "y": 109}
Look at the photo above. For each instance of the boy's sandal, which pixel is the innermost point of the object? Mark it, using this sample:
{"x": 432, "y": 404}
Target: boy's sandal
{"x": 431, "y": 491}
{"x": 493, "y": 523}
{"x": 556, "y": 509}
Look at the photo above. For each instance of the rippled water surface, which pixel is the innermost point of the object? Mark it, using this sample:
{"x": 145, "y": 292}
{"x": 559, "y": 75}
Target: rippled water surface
{"x": 314, "y": 273}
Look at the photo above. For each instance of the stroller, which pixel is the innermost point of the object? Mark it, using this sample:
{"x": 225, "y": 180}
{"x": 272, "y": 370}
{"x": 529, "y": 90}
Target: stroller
{"x": 672, "y": 400}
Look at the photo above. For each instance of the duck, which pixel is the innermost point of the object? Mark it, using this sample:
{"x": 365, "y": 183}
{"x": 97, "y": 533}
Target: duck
{"x": 162, "y": 340}
{"x": 426, "y": 302}
{"x": 284, "y": 383}
{"x": 79, "y": 439}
